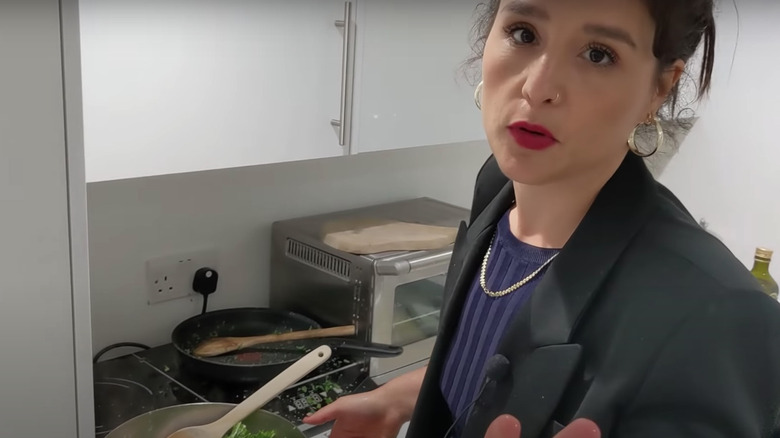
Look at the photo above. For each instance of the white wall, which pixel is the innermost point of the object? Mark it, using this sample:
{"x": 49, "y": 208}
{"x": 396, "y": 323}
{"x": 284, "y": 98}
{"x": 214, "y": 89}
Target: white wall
{"x": 232, "y": 210}
{"x": 728, "y": 169}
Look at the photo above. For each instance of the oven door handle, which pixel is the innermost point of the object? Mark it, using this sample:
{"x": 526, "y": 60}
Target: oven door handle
{"x": 372, "y": 349}
{"x": 406, "y": 266}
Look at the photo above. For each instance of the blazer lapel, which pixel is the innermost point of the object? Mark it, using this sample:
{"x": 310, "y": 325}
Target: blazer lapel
{"x": 467, "y": 257}
{"x": 617, "y": 214}
{"x": 538, "y": 342}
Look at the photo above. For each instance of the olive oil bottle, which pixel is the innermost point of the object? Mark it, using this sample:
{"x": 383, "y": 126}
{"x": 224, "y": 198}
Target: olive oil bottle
{"x": 761, "y": 271}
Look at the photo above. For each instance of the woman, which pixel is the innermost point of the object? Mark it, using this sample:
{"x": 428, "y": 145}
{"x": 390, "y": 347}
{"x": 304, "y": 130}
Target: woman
{"x": 582, "y": 289}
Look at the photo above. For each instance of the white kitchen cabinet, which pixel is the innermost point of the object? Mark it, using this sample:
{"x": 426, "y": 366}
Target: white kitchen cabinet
{"x": 45, "y": 332}
{"x": 410, "y": 86}
{"x": 176, "y": 86}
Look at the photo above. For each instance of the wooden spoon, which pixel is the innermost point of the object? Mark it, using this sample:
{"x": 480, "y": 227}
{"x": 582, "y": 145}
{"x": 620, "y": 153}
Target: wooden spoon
{"x": 289, "y": 376}
{"x": 216, "y": 346}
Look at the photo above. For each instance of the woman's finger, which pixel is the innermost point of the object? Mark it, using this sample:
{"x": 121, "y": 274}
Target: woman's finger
{"x": 580, "y": 428}
{"x": 505, "y": 426}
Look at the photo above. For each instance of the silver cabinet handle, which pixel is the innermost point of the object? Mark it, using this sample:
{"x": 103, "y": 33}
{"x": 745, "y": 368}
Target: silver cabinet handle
{"x": 342, "y": 122}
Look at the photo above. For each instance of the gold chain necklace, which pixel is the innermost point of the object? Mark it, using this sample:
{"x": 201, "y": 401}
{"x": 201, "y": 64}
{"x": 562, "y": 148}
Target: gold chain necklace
{"x": 513, "y": 287}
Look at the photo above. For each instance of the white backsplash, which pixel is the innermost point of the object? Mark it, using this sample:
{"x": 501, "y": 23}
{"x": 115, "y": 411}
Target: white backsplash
{"x": 232, "y": 210}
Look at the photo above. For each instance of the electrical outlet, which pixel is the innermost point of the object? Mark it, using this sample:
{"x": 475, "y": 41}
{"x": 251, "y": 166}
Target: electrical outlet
{"x": 170, "y": 277}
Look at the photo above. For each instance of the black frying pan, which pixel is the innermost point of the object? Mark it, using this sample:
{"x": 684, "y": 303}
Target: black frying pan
{"x": 261, "y": 363}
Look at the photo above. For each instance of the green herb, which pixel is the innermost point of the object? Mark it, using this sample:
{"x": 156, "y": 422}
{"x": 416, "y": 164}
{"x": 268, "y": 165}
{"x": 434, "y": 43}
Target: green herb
{"x": 240, "y": 431}
{"x": 328, "y": 385}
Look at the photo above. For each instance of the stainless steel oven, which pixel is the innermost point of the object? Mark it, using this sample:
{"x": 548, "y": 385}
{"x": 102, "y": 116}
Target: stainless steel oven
{"x": 393, "y": 297}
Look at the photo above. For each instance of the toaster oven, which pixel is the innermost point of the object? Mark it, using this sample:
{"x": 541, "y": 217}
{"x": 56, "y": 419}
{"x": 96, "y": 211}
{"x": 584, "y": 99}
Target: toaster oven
{"x": 393, "y": 297}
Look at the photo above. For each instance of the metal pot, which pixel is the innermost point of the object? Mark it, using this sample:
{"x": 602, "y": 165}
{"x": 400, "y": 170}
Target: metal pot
{"x": 163, "y": 422}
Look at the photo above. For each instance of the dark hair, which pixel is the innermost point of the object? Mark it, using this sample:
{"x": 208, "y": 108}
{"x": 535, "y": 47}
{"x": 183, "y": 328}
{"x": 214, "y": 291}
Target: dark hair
{"x": 680, "y": 28}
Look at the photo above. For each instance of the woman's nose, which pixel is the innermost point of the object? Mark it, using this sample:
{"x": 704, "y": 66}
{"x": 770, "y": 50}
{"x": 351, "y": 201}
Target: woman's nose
{"x": 542, "y": 84}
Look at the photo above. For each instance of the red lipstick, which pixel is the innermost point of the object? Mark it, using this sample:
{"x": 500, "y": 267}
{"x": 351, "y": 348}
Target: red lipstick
{"x": 530, "y": 136}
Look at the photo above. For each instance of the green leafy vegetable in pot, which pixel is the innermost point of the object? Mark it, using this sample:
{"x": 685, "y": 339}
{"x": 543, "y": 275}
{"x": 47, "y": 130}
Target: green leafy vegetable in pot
{"x": 240, "y": 431}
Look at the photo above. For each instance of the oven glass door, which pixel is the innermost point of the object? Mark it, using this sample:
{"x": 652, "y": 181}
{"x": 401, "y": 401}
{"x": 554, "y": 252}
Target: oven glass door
{"x": 406, "y": 311}
{"x": 416, "y": 310}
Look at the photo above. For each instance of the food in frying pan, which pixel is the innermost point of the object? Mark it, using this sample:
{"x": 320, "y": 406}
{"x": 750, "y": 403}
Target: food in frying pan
{"x": 240, "y": 431}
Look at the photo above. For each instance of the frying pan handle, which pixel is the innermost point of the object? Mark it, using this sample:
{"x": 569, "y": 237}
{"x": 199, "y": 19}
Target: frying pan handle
{"x": 369, "y": 348}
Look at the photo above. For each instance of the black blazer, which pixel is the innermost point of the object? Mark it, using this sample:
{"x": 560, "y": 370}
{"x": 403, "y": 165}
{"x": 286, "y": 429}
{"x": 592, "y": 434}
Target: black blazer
{"x": 645, "y": 323}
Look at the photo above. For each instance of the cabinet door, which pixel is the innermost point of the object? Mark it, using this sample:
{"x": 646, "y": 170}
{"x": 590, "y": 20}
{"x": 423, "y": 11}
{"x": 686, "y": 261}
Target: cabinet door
{"x": 411, "y": 85}
{"x": 42, "y": 364}
{"x": 176, "y": 86}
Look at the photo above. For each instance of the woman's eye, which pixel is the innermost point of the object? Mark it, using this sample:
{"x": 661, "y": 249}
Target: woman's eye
{"x": 600, "y": 56}
{"x": 523, "y": 36}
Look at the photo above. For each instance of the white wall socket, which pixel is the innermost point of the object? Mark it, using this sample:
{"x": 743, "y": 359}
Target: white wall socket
{"x": 170, "y": 277}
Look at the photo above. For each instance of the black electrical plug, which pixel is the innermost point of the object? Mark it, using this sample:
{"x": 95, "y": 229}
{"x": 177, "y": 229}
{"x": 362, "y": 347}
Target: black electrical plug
{"x": 205, "y": 283}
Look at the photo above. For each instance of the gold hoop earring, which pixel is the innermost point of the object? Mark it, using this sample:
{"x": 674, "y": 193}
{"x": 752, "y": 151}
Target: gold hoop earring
{"x": 478, "y": 95}
{"x": 651, "y": 119}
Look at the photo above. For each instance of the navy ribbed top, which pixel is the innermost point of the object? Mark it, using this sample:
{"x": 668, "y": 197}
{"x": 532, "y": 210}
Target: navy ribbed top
{"x": 484, "y": 319}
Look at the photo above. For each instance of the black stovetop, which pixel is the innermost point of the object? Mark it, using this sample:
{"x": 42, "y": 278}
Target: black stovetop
{"x": 128, "y": 386}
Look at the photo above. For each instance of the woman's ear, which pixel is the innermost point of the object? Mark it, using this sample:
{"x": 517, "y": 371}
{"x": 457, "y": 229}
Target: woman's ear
{"x": 666, "y": 83}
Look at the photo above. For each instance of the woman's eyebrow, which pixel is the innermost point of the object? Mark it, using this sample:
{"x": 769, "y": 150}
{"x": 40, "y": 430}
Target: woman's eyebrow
{"x": 520, "y": 7}
{"x": 610, "y": 32}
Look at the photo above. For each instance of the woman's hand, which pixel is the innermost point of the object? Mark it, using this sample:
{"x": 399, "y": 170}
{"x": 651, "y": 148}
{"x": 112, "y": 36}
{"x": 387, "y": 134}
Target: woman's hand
{"x": 507, "y": 426}
{"x": 369, "y": 415}
{"x": 376, "y": 414}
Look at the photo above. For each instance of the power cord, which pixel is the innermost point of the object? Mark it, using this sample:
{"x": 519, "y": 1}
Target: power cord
{"x": 100, "y": 353}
